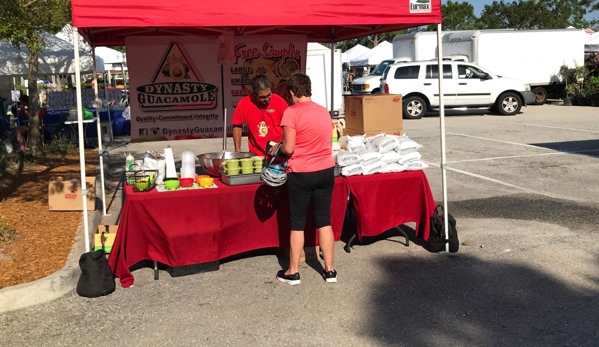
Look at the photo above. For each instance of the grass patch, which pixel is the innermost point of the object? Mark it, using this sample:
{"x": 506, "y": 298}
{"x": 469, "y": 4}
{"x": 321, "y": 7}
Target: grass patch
{"x": 7, "y": 232}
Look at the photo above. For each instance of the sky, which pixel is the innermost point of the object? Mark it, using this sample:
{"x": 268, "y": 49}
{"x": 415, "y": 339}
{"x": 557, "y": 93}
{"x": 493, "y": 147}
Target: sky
{"x": 479, "y": 5}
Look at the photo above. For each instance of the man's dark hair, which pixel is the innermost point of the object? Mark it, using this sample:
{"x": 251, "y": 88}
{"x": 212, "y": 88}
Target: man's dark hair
{"x": 300, "y": 84}
{"x": 260, "y": 83}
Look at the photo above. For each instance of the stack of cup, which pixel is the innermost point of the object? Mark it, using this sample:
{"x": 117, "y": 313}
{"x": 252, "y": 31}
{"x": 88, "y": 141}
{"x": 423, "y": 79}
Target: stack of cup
{"x": 247, "y": 165}
{"x": 258, "y": 163}
{"x": 231, "y": 167}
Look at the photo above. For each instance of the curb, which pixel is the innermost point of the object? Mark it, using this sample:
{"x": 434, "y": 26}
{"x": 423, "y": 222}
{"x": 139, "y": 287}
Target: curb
{"x": 55, "y": 285}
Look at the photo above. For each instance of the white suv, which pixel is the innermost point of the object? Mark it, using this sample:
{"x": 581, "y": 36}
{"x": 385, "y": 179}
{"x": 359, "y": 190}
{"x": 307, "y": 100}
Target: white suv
{"x": 370, "y": 84}
{"x": 464, "y": 85}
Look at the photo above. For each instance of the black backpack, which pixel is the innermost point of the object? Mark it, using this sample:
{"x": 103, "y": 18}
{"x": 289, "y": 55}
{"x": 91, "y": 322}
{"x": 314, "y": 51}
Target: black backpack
{"x": 437, "y": 238}
{"x": 96, "y": 278}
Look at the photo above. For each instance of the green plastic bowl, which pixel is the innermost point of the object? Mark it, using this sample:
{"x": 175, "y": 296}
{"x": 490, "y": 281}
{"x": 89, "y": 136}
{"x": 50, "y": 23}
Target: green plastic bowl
{"x": 171, "y": 183}
{"x": 142, "y": 186}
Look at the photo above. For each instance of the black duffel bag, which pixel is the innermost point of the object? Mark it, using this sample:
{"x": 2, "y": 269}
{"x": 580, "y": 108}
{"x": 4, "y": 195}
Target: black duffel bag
{"x": 437, "y": 237}
{"x": 96, "y": 278}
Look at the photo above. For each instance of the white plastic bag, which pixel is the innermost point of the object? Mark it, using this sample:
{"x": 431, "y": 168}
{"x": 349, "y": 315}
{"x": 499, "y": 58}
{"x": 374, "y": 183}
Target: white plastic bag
{"x": 406, "y": 145}
{"x": 373, "y": 168}
{"x": 394, "y": 167}
{"x": 385, "y": 144}
{"x": 371, "y": 139}
{"x": 355, "y": 143}
{"x": 347, "y": 158}
{"x": 352, "y": 170}
{"x": 391, "y": 157}
{"x": 410, "y": 157}
{"x": 416, "y": 165}
{"x": 155, "y": 164}
{"x": 368, "y": 157}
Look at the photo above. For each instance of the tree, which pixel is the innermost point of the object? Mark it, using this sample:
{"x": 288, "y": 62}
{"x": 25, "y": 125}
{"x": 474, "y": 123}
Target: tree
{"x": 535, "y": 14}
{"x": 23, "y": 20}
{"x": 457, "y": 16}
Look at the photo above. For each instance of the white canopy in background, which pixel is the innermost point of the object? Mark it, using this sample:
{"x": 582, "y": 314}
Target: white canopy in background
{"x": 57, "y": 58}
{"x": 353, "y": 53}
{"x": 382, "y": 51}
{"x": 592, "y": 45}
{"x": 110, "y": 56}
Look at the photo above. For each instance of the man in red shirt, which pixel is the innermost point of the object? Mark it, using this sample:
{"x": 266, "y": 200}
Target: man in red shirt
{"x": 261, "y": 111}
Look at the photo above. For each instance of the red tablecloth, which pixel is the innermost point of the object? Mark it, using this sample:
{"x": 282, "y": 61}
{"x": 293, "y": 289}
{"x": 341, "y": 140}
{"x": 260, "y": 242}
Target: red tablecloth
{"x": 199, "y": 226}
{"x": 384, "y": 201}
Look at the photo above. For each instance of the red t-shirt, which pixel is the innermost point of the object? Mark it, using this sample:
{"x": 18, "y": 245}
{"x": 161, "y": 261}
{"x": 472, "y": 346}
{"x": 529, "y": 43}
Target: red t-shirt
{"x": 313, "y": 135}
{"x": 263, "y": 121}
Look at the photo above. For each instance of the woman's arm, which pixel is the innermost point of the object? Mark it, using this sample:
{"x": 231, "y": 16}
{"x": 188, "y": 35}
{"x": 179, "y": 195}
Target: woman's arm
{"x": 288, "y": 141}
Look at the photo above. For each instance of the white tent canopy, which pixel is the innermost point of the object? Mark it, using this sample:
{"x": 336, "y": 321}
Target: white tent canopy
{"x": 57, "y": 58}
{"x": 110, "y": 56}
{"x": 592, "y": 45}
{"x": 382, "y": 51}
{"x": 353, "y": 53}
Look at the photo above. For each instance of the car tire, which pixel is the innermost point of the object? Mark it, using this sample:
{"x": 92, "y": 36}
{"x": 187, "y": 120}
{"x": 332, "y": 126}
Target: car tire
{"x": 508, "y": 104}
{"x": 376, "y": 91}
{"x": 540, "y": 96}
{"x": 414, "y": 107}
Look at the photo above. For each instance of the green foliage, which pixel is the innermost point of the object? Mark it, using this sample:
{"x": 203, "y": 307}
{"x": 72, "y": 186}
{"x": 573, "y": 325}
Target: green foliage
{"x": 60, "y": 145}
{"x": 591, "y": 87}
{"x": 7, "y": 232}
{"x": 534, "y": 14}
{"x": 22, "y": 23}
{"x": 574, "y": 78}
{"x": 457, "y": 16}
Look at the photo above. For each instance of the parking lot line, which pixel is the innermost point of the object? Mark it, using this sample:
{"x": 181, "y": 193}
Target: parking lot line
{"x": 508, "y": 142}
{"x": 503, "y": 183}
{"x": 523, "y": 155}
{"x": 554, "y": 127}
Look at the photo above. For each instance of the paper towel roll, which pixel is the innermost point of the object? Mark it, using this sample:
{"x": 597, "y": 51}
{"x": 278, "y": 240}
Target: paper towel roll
{"x": 171, "y": 172}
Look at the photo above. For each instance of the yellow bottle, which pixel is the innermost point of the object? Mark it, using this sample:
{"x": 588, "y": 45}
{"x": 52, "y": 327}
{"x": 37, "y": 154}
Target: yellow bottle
{"x": 335, "y": 134}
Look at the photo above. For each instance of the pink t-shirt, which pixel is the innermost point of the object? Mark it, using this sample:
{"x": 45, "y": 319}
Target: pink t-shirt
{"x": 313, "y": 133}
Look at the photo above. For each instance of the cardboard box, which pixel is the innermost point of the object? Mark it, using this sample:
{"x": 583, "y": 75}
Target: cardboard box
{"x": 104, "y": 237}
{"x": 375, "y": 113}
{"x": 66, "y": 195}
{"x": 308, "y": 253}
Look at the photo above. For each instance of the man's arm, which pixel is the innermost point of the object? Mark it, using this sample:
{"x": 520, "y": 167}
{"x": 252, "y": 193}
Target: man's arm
{"x": 237, "y": 132}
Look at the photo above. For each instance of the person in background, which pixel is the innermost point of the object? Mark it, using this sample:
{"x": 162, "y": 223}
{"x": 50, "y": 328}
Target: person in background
{"x": 261, "y": 111}
{"x": 307, "y": 129}
{"x": 23, "y": 121}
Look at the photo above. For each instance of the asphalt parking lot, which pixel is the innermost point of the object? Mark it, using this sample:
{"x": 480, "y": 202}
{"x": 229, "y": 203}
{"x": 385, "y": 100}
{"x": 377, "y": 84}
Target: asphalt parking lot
{"x": 525, "y": 194}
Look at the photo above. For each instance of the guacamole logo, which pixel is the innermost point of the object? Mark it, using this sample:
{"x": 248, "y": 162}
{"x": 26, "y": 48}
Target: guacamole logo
{"x": 420, "y": 6}
{"x": 176, "y": 85}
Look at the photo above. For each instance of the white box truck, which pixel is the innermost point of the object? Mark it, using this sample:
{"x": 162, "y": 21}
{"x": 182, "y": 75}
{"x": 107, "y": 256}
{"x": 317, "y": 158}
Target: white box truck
{"x": 318, "y": 68}
{"x": 534, "y": 56}
{"x": 416, "y": 46}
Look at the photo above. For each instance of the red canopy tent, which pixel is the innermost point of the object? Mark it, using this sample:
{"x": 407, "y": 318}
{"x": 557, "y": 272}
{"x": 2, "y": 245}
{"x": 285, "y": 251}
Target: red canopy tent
{"x": 108, "y": 22}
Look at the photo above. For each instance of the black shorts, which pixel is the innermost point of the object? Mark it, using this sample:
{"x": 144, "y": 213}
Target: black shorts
{"x": 314, "y": 186}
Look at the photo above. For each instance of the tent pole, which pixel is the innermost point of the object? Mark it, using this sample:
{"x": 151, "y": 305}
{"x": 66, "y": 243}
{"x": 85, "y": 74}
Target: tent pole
{"x": 332, "y": 79}
{"x": 99, "y": 132}
{"x": 81, "y": 142}
{"x": 442, "y": 126}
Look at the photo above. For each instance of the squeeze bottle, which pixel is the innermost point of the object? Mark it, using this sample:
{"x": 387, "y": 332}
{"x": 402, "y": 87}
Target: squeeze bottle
{"x": 335, "y": 135}
{"x": 129, "y": 162}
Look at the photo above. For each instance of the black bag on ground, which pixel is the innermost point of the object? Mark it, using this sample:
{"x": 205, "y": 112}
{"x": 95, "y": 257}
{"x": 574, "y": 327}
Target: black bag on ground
{"x": 96, "y": 278}
{"x": 437, "y": 237}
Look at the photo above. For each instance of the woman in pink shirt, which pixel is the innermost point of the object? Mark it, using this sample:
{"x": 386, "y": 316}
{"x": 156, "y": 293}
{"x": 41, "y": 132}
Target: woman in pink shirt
{"x": 307, "y": 130}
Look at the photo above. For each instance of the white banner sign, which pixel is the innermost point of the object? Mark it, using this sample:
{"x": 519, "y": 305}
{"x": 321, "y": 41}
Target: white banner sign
{"x": 178, "y": 89}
